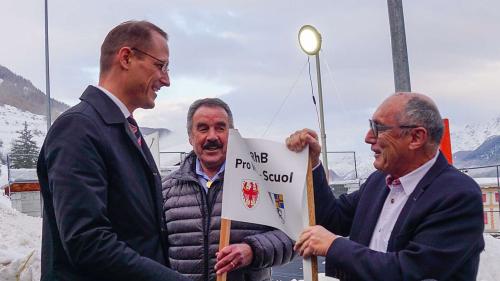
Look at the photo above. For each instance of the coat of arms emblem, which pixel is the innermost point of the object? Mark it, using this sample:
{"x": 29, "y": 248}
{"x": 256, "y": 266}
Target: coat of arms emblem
{"x": 249, "y": 193}
{"x": 279, "y": 203}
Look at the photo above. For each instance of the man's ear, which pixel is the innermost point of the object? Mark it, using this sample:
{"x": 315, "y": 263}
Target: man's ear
{"x": 124, "y": 57}
{"x": 190, "y": 140}
{"x": 419, "y": 138}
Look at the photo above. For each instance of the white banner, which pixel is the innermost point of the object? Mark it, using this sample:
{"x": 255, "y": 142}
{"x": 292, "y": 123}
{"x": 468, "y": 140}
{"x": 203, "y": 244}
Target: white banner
{"x": 264, "y": 183}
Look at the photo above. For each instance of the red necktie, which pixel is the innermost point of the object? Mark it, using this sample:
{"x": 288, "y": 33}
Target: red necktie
{"x": 135, "y": 129}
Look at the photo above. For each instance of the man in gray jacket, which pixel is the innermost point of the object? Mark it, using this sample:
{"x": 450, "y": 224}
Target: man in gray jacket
{"x": 192, "y": 206}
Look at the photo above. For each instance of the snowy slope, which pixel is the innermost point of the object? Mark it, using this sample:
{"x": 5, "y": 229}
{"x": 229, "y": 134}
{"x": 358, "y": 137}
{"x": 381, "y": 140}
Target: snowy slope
{"x": 12, "y": 119}
{"x": 471, "y": 136}
{"x": 20, "y": 244}
{"x": 463, "y": 138}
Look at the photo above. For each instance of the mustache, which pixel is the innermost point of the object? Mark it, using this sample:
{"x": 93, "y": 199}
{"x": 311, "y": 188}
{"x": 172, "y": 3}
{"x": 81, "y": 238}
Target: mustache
{"x": 212, "y": 144}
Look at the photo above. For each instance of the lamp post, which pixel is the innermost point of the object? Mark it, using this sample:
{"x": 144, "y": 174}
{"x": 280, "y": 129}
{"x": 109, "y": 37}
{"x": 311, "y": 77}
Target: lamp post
{"x": 310, "y": 43}
{"x": 47, "y": 73}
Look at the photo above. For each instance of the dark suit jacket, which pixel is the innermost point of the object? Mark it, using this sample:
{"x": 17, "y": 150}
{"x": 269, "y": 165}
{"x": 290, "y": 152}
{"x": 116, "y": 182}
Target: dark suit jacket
{"x": 438, "y": 235}
{"x": 102, "y": 198}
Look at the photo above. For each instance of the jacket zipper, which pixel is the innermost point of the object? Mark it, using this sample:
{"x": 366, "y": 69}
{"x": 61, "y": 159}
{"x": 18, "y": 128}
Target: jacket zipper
{"x": 214, "y": 190}
{"x": 205, "y": 217}
{"x": 206, "y": 213}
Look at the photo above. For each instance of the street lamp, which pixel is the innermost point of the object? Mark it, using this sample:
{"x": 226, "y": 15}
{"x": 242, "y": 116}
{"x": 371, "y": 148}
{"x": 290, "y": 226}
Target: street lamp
{"x": 310, "y": 43}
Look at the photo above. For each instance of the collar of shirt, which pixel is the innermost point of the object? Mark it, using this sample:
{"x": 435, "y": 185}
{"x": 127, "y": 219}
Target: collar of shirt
{"x": 117, "y": 101}
{"x": 205, "y": 177}
{"x": 410, "y": 181}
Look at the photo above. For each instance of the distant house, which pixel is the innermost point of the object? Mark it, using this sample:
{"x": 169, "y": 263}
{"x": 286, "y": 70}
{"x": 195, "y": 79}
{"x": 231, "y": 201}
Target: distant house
{"x": 24, "y": 191}
{"x": 490, "y": 196}
{"x": 491, "y": 203}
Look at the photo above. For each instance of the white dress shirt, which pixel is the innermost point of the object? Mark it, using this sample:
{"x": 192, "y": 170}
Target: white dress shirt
{"x": 117, "y": 101}
{"x": 394, "y": 203}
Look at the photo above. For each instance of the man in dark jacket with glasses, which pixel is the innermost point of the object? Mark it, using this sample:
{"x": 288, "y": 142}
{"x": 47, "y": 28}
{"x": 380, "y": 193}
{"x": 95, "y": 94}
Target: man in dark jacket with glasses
{"x": 415, "y": 218}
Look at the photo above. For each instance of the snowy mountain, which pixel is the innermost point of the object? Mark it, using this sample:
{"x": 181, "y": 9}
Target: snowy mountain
{"x": 21, "y": 101}
{"x": 19, "y": 92}
{"x": 475, "y": 144}
{"x": 471, "y": 136}
{"x": 12, "y": 120}
{"x": 488, "y": 153}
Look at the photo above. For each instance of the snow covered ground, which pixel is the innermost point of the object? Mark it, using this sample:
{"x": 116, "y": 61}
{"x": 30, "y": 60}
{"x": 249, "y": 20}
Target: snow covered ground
{"x": 12, "y": 120}
{"x": 3, "y": 175}
{"x": 21, "y": 240}
{"x": 19, "y": 244}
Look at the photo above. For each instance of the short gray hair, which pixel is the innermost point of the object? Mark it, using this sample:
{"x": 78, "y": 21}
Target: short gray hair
{"x": 423, "y": 112}
{"x": 209, "y": 102}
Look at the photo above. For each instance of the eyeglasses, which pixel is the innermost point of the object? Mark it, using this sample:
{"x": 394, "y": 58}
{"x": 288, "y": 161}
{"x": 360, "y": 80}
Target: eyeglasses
{"x": 377, "y": 128}
{"x": 164, "y": 65}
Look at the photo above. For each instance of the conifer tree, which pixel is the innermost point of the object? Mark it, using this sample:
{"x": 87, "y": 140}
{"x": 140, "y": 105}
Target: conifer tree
{"x": 24, "y": 151}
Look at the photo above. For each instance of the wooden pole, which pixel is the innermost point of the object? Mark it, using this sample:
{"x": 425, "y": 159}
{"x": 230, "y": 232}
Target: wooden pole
{"x": 225, "y": 234}
{"x": 312, "y": 221}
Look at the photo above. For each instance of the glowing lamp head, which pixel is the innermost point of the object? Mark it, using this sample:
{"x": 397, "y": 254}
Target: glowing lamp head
{"x": 309, "y": 39}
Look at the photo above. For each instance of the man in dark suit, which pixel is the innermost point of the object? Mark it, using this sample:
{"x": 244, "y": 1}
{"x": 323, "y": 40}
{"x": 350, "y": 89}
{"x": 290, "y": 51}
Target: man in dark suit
{"x": 100, "y": 186}
{"x": 415, "y": 218}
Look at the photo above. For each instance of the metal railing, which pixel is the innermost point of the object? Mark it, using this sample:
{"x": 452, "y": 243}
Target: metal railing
{"x": 476, "y": 172}
{"x": 353, "y": 157}
{"x": 182, "y": 156}
{"x": 497, "y": 167}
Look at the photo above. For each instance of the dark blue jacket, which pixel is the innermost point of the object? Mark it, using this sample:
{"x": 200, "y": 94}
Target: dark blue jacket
{"x": 438, "y": 235}
{"x": 102, "y": 199}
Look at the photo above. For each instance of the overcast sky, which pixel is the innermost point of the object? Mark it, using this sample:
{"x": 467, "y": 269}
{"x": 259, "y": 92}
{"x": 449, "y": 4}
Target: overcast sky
{"x": 246, "y": 52}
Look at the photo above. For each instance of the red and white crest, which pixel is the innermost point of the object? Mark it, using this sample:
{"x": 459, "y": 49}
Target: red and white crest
{"x": 249, "y": 193}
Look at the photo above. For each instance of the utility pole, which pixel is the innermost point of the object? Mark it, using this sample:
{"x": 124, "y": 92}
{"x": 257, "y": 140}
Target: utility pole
{"x": 399, "y": 51}
{"x": 47, "y": 84}
{"x": 47, "y": 74}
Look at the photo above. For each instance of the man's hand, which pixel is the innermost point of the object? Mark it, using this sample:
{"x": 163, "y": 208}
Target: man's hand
{"x": 232, "y": 257}
{"x": 298, "y": 140}
{"x": 314, "y": 241}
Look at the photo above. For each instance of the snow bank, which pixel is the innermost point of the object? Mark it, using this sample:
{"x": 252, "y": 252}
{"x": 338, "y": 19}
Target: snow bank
{"x": 20, "y": 175}
{"x": 21, "y": 237}
{"x": 3, "y": 177}
{"x": 488, "y": 267}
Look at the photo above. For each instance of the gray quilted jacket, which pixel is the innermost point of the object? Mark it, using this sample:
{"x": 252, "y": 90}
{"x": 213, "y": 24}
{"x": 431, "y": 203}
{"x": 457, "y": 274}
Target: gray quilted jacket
{"x": 193, "y": 224}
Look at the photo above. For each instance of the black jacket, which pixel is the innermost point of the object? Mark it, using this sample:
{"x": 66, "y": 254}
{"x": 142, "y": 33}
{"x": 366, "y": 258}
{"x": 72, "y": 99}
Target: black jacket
{"x": 102, "y": 199}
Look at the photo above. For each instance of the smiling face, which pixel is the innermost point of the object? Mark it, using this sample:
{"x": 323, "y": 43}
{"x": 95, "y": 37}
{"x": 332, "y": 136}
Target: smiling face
{"x": 146, "y": 77}
{"x": 208, "y": 136}
{"x": 391, "y": 147}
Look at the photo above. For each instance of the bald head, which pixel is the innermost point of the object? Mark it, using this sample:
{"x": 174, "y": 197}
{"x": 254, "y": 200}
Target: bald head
{"x": 418, "y": 109}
